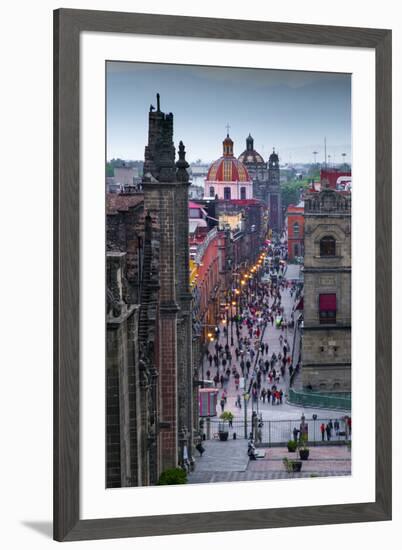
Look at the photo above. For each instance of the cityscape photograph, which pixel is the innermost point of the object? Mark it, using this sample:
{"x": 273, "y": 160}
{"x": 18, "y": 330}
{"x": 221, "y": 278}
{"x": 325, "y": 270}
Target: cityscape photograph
{"x": 228, "y": 274}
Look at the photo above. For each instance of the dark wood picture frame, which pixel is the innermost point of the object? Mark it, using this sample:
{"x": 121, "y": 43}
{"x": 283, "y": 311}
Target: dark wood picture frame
{"x": 68, "y": 24}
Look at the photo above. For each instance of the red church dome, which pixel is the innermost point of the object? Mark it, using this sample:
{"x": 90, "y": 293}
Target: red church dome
{"x": 227, "y": 168}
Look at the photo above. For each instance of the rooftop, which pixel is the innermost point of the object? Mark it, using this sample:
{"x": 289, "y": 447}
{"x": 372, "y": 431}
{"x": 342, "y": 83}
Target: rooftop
{"x": 118, "y": 202}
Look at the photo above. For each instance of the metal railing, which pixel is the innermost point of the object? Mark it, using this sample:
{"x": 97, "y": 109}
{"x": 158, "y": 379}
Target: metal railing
{"x": 313, "y": 399}
{"x": 278, "y": 432}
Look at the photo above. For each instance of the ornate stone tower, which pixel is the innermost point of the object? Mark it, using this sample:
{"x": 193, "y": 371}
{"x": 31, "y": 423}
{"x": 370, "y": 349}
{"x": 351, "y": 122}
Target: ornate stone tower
{"x": 274, "y": 194}
{"x": 326, "y": 348}
{"x": 165, "y": 185}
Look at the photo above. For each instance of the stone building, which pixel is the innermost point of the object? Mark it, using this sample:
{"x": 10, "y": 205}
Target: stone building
{"x": 150, "y": 371}
{"x": 266, "y": 182}
{"x": 274, "y": 200}
{"x": 295, "y": 227}
{"x": 123, "y": 456}
{"x": 326, "y": 348}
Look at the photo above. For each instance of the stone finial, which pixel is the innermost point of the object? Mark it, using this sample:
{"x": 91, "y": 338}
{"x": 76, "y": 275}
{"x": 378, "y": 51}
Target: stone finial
{"x": 158, "y": 104}
{"x": 182, "y": 164}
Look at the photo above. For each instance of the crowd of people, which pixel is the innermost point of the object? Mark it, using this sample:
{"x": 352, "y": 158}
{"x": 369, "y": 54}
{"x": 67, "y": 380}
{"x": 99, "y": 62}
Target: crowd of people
{"x": 257, "y": 370}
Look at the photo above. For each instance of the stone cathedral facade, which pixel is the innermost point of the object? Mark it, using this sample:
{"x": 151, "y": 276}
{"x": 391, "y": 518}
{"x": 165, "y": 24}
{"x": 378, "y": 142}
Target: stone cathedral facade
{"x": 150, "y": 374}
{"x": 326, "y": 343}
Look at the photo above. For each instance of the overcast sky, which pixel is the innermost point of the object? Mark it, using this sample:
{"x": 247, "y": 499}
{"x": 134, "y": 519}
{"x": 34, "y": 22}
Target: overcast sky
{"x": 290, "y": 110}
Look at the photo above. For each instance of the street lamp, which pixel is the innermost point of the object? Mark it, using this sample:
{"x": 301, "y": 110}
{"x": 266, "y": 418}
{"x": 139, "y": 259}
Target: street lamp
{"x": 315, "y": 156}
{"x": 226, "y": 322}
{"x": 246, "y": 397}
{"x": 344, "y": 162}
{"x": 231, "y": 324}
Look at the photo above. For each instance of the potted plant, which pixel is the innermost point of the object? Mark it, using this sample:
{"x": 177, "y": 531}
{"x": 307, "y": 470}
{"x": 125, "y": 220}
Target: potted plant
{"x": 292, "y": 446}
{"x": 292, "y": 466}
{"x": 172, "y": 476}
{"x": 223, "y": 428}
{"x": 304, "y": 451}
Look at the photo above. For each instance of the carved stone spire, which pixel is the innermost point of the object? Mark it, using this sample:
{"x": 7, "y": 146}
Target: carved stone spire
{"x": 159, "y": 161}
{"x": 182, "y": 165}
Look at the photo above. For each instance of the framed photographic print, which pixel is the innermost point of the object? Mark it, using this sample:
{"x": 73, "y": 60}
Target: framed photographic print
{"x": 222, "y": 204}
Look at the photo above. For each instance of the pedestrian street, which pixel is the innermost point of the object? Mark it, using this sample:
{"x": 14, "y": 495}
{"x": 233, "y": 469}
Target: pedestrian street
{"x": 272, "y": 336}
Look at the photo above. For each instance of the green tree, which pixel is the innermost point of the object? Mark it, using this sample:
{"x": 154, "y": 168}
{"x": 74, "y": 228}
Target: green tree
{"x": 290, "y": 192}
{"x": 109, "y": 170}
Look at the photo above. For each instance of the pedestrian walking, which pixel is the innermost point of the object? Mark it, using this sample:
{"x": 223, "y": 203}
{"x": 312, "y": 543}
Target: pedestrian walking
{"x": 336, "y": 426}
{"x": 278, "y": 397}
{"x": 328, "y": 431}
{"x": 268, "y": 396}
{"x": 322, "y": 430}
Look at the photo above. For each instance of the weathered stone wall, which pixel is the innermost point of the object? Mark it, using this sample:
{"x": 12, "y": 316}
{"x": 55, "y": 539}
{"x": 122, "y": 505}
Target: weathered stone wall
{"x": 121, "y": 387}
{"x": 326, "y": 348}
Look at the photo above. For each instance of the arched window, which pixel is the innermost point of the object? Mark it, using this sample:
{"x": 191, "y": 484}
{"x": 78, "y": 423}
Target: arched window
{"x": 296, "y": 229}
{"x": 327, "y": 246}
{"x": 242, "y": 193}
{"x": 212, "y": 191}
{"x": 296, "y": 250}
{"x": 226, "y": 193}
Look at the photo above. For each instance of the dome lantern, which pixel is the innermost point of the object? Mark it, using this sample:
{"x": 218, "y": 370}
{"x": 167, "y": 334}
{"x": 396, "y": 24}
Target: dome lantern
{"x": 227, "y": 147}
{"x": 249, "y": 143}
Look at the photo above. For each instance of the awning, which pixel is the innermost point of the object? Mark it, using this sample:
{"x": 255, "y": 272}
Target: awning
{"x": 300, "y": 305}
{"x": 327, "y": 302}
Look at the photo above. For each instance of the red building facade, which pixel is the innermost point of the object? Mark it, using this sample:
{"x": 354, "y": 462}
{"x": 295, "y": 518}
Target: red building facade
{"x": 210, "y": 279}
{"x": 295, "y": 217}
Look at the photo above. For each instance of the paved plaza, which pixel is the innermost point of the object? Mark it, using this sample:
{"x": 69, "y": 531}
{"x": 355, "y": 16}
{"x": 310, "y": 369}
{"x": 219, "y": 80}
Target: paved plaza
{"x": 228, "y": 460}
{"x": 225, "y": 461}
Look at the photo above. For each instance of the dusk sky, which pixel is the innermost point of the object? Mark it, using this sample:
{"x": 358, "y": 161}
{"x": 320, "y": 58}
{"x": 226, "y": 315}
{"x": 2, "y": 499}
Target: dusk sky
{"x": 289, "y": 110}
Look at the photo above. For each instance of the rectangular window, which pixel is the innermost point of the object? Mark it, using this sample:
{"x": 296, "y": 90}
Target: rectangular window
{"x": 327, "y": 309}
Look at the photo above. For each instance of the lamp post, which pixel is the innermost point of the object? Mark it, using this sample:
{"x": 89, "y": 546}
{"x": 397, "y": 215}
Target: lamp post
{"x": 231, "y": 323}
{"x": 227, "y": 324}
{"x": 344, "y": 161}
{"x": 246, "y": 397}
